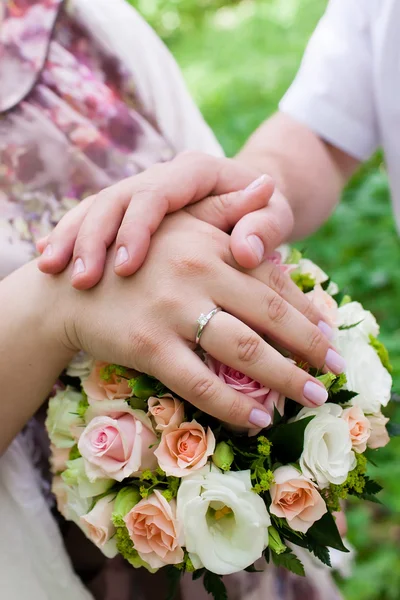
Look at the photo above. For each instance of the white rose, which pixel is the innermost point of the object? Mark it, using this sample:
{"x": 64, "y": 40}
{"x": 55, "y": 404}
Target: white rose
{"x": 364, "y": 372}
{"x": 307, "y": 267}
{"x": 62, "y": 418}
{"x": 352, "y": 313}
{"x": 327, "y": 455}
{"x": 80, "y": 366}
{"x": 75, "y": 475}
{"x": 225, "y": 524}
{"x": 69, "y": 502}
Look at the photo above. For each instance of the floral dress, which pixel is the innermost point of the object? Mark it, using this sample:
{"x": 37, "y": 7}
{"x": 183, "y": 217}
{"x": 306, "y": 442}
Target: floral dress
{"x": 88, "y": 96}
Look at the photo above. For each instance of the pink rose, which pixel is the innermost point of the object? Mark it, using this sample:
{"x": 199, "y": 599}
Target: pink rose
{"x": 155, "y": 532}
{"x": 117, "y": 441}
{"x": 276, "y": 259}
{"x": 379, "y": 436}
{"x": 185, "y": 449}
{"x": 166, "y": 411}
{"x": 97, "y": 388}
{"x": 296, "y": 499}
{"x": 98, "y": 526}
{"x": 326, "y": 304}
{"x": 58, "y": 458}
{"x": 359, "y": 427}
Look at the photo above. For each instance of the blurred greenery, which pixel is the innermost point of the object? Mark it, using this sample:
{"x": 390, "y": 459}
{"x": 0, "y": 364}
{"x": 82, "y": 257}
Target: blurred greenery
{"x": 238, "y": 58}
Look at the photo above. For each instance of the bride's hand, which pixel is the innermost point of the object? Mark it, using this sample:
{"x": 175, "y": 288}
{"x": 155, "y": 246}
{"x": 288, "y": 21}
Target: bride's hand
{"x": 148, "y": 322}
{"x": 132, "y": 210}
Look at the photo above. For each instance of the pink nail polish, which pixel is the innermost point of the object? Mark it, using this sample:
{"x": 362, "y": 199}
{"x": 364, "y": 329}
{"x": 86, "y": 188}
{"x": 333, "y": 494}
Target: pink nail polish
{"x": 79, "y": 267}
{"x": 335, "y": 362}
{"x": 259, "y": 418}
{"x": 315, "y": 393}
{"x": 256, "y": 246}
{"x": 122, "y": 256}
{"x": 256, "y": 183}
{"x": 326, "y": 329}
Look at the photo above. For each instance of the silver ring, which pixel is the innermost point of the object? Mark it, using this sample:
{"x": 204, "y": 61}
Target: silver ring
{"x": 204, "y": 320}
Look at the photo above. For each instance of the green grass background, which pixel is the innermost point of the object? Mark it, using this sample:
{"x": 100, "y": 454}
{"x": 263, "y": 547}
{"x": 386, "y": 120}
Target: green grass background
{"x": 238, "y": 58}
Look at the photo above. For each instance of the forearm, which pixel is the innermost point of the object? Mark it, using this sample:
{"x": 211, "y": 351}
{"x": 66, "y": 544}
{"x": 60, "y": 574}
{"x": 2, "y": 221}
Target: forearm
{"x": 308, "y": 171}
{"x": 32, "y": 351}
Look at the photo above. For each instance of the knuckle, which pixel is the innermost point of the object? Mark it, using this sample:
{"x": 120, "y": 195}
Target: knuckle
{"x": 235, "y": 410}
{"x": 249, "y": 348}
{"x": 315, "y": 340}
{"x": 190, "y": 266}
{"x": 272, "y": 230}
{"x": 289, "y": 378}
{"x": 277, "y": 308}
{"x": 277, "y": 280}
{"x": 202, "y": 388}
{"x": 309, "y": 309}
{"x": 145, "y": 347}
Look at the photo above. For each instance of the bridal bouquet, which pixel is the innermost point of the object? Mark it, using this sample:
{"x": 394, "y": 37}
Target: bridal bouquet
{"x": 147, "y": 475}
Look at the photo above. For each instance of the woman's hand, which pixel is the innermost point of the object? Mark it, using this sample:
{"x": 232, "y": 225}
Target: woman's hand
{"x": 148, "y": 322}
{"x": 132, "y": 210}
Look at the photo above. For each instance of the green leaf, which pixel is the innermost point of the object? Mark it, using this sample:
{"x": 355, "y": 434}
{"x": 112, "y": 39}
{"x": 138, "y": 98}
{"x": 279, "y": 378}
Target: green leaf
{"x": 325, "y": 533}
{"x": 173, "y": 579}
{"x": 343, "y": 397}
{"x": 325, "y": 284}
{"x": 371, "y": 486}
{"x": 197, "y": 574}
{"x": 321, "y": 552}
{"x": 288, "y": 561}
{"x": 277, "y": 416}
{"x": 252, "y": 569}
{"x": 370, "y": 498}
{"x": 345, "y": 327}
{"x": 214, "y": 585}
{"x": 267, "y": 555}
{"x": 288, "y": 440}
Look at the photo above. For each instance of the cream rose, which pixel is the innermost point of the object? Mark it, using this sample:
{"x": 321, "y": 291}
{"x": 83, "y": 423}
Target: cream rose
{"x": 296, "y": 499}
{"x": 327, "y": 456}
{"x": 69, "y": 501}
{"x": 155, "y": 531}
{"x": 359, "y": 427}
{"x": 75, "y": 475}
{"x": 166, "y": 411}
{"x": 98, "y": 526}
{"x": 185, "y": 449}
{"x": 325, "y": 303}
{"x": 307, "y": 267}
{"x": 62, "y": 418}
{"x": 225, "y": 523}
{"x": 97, "y": 388}
{"x": 379, "y": 435}
{"x": 80, "y": 366}
{"x": 117, "y": 442}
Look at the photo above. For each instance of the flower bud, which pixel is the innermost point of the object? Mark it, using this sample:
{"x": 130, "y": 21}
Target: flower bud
{"x": 223, "y": 456}
{"x": 274, "y": 541}
{"x": 126, "y": 499}
{"x": 143, "y": 386}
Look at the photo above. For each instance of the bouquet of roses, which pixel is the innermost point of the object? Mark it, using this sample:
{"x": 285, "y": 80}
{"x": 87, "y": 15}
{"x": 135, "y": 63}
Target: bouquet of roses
{"x": 145, "y": 474}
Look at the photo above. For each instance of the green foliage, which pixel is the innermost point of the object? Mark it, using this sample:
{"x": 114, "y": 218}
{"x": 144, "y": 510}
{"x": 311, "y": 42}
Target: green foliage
{"x": 289, "y": 431}
{"x": 215, "y": 586}
{"x": 325, "y": 533}
{"x": 382, "y": 352}
{"x": 108, "y": 371}
{"x": 289, "y": 561}
{"x": 74, "y": 453}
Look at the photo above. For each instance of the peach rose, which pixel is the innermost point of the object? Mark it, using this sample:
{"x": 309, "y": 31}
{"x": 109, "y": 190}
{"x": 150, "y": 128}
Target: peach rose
{"x": 98, "y": 526}
{"x": 327, "y": 305}
{"x": 117, "y": 441}
{"x": 379, "y": 435}
{"x": 59, "y": 489}
{"x": 296, "y": 499}
{"x": 97, "y": 388}
{"x": 185, "y": 449}
{"x": 58, "y": 458}
{"x": 359, "y": 427}
{"x": 155, "y": 532}
{"x": 166, "y": 411}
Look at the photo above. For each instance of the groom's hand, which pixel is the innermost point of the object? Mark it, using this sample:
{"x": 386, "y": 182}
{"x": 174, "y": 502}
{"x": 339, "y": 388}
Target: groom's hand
{"x": 237, "y": 199}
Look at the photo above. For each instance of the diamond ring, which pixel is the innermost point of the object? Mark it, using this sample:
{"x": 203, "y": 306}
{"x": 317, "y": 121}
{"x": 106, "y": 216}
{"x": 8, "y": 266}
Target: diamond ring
{"x": 203, "y": 321}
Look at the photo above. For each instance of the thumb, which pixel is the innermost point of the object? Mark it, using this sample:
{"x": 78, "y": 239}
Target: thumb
{"x": 225, "y": 210}
{"x": 259, "y": 233}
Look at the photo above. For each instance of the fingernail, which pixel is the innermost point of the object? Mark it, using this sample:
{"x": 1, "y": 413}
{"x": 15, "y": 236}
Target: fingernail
{"x": 334, "y": 361}
{"x": 122, "y": 256}
{"x": 48, "y": 251}
{"x": 79, "y": 267}
{"x": 256, "y": 183}
{"x": 256, "y": 245}
{"x": 259, "y": 418}
{"x": 326, "y": 329}
{"x": 315, "y": 393}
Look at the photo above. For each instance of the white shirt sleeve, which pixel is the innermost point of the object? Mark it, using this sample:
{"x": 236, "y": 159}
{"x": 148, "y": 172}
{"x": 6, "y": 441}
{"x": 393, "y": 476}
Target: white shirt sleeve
{"x": 333, "y": 91}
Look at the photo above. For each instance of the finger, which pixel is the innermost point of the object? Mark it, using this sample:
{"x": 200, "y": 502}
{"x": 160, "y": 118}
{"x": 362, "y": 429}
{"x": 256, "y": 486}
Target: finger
{"x": 193, "y": 381}
{"x": 272, "y": 315}
{"x": 257, "y": 234}
{"x": 57, "y": 248}
{"x": 234, "y": 344}
{"x": 225, "y": 210}
{"x": 167, "y": 188}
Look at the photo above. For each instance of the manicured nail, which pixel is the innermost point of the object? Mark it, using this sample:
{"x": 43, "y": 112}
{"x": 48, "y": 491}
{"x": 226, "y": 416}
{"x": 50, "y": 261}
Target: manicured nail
{"x": 334, "y": 361}
{"x": 315, "y": 393}
{"x": 259, "y": 418}
{"x": 122, "y": 256}
{"x": 326, "y": 329}
{"x": 48, "y": 251}
{"x": 256, "y": 245}
{"x": 79, "y": 267}
{"x": 256, "y": 183}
